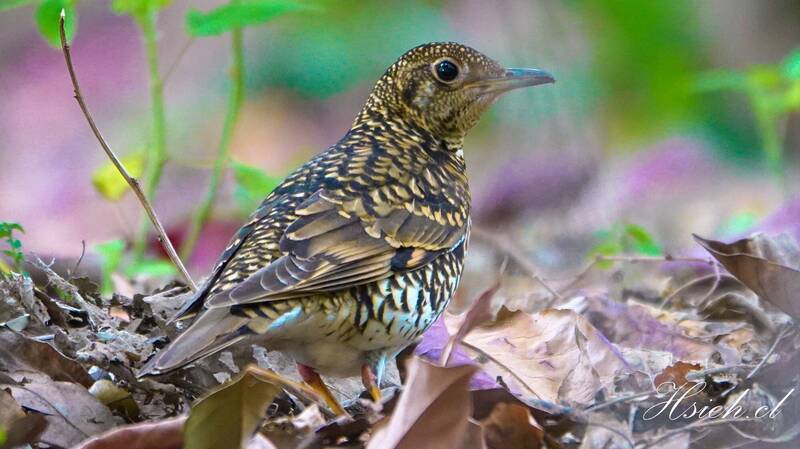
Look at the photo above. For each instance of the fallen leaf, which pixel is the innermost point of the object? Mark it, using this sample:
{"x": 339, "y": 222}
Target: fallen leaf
{"x": 166, "y": 434}
{"x": 20, "y": 355}
{"x": 676, "y": 373}
{"x": 635, "y": 326}
{"x": 556, "y": 354}
{"x": 512, "y": 426}
{"x": 606, "y": 432}
{"x": 432, "y": 410}
{"x": 230, "y": 415}
{"x": 770, "y": 266}
{"x": 72, "y": 414}
{"x": 20, "y": 429}
{"x": 475, "y": 438}
{"x": 432, "y": 347}
{"x": 479, "y": 313}
{"x": 115, "y": 398}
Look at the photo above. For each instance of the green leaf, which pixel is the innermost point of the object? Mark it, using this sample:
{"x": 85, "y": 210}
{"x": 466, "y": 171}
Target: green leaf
{"x": 11, "y": 4}
{"x": 606, "y": 248}
{"x": 642, "y": 241}
{"x": 110, "y": 259}
{"x": 48, "y": 15}
{"x": 7, "y": 228}
{"x": 230, "y": 415}
{"x": 110, "y": 183}
{"x": 138, "y": 7}
{"x": 738, "y": 224}
{"x": 151, "y": 268}
{"x": 238, "y": 15}
{"x": 791, "y": 65}
{"x": 722, "y": 80}
{"x": 252, "y": 185}
{"x": 2, "y": 435}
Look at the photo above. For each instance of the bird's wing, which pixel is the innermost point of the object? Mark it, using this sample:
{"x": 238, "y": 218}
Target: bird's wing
{"x": 336, "y": 243}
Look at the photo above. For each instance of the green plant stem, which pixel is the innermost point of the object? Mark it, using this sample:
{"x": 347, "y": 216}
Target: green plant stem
{"x": 157, "y": 151}
{"x": 235, "y": 97}
{"x": 768, "y": 126}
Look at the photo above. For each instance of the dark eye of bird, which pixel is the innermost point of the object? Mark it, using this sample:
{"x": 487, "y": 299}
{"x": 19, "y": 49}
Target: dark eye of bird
{"x": 446, "y": 71}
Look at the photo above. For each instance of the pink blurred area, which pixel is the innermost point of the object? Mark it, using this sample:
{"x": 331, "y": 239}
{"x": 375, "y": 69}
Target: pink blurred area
{"x": 543, "y": 161}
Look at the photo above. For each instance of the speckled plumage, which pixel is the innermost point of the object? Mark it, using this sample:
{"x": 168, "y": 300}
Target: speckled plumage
{"x": 359, "y": 250}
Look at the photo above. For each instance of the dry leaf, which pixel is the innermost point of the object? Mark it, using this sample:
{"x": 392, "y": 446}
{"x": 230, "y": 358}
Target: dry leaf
{"x": 676, "y": 373}
{"x": 479, "y": 313}
{"x": 20, "y": 355}
{"x": 20, "y": 429}
{"x": 167, "y": 434}
{"x": 475, "y": 438}
{"x": 638, "y": 326}
{"x": 432, "y": 411}
{"x": 767, "y": 265}
{"x": 72, "y": 414}
{"x": 556, "y": 354}
{"x": 512, "y": 426}
{"x": 230, "y": 415}
{"x": 607, "y": 432}
{"x": 116, "y": 398}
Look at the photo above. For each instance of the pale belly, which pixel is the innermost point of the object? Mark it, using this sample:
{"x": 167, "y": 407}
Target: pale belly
{"x": 338, "y": 333}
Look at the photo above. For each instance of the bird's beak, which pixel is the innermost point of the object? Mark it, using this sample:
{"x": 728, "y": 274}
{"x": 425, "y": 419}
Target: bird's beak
{"x": 512, "y": 79}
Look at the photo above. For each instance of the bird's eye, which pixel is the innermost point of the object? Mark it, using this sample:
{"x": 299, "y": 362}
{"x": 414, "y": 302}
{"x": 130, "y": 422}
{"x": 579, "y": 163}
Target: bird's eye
{"x": 446, "y": 70}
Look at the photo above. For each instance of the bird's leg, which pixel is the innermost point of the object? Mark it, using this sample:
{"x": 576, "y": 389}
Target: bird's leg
{"x": 368, "y": 379}
{"x": 312, "y": 379}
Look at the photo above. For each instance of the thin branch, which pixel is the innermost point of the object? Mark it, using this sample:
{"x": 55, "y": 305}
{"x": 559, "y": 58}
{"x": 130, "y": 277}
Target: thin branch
{"x": 203, "y": 213}
{"x": 630, "y": 258}
{"x": 695, "y": 376}
{"x": 716, "y": 275}
{"x": 174, "y": 65}
{"x": 512, "y": 252}
{"x": 132, "y": 182}
{"x": 95, "y": 315}
{"x": 630, "y": 397}
{"x": 693, "y": 426}
{"x": 80, "y": 259}
{"x": 772, "y": 348}
{"x": 157, "y": 153}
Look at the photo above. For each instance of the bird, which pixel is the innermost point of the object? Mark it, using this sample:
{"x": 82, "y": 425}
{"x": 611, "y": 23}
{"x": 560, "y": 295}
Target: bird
{"x": 357, "y": 252}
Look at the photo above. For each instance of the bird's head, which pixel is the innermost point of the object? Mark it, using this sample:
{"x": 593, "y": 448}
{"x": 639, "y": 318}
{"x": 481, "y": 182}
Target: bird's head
{"x": 445, "y": 87}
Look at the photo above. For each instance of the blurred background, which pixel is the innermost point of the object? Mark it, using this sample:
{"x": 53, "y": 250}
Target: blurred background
{"x": 667, "y": 118}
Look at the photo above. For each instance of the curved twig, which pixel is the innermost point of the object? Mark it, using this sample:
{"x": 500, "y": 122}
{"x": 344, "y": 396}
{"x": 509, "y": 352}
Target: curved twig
{"x": 132, "y": 182}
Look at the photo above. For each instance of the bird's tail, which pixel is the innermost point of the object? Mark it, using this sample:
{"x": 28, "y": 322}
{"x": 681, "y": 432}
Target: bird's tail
{"x": 213, "y": 331}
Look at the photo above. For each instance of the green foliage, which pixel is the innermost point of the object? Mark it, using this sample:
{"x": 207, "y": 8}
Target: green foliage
{"x": 252, "y": 185}
{"x": 629, "y": 238}
{"x": 738, "y": 224}
{"x": 11, "y": 4}
{"x": 14, "y": 250}
{"x": 48, "y": 14}
{"x": 644, "y": 54}
{"x": 109, "y": 182}
{"x": 111, "y": 254}
{"x": 238, "y": 15}
{"x": 138, "y": 8}
{"x": 325, "y": 53}
{"x": 151, "y": 268}
{"x": 773, "y": 92}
